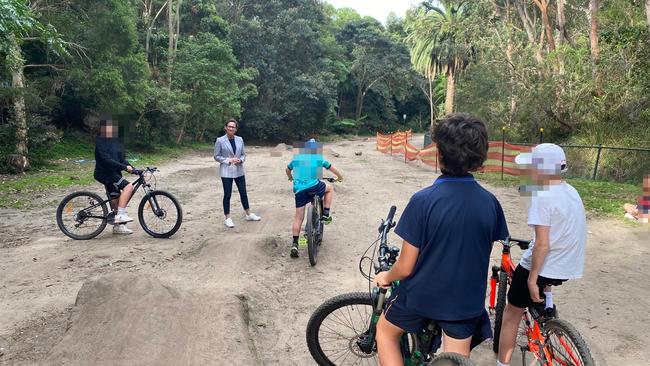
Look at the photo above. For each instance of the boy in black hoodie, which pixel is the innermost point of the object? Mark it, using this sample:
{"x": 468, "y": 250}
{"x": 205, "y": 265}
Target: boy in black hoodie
{"x": 110, "y": 162}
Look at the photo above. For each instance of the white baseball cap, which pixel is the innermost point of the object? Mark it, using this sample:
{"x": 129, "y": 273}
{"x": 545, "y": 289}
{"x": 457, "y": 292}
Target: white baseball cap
{"x": 548, "y": 158}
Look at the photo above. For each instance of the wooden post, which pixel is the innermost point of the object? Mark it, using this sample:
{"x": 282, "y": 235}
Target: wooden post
{"x": 503, "y": 148}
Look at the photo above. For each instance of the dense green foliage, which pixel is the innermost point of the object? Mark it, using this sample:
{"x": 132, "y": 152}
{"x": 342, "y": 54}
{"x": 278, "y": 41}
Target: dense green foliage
{"x": 173, "y": 71}
{"x": 287, "y": 69}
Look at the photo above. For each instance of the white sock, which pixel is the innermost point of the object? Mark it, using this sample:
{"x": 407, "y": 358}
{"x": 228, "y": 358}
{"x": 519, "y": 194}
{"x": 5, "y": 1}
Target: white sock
{"x": 121, "y": 210}
{"x": 549, "y": 299}
{"x": 502, "y": 364}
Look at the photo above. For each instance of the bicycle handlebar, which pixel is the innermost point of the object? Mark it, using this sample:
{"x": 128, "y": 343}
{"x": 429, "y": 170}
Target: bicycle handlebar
{"x": 142, "y": 171}
{"x": 387, "y": 256}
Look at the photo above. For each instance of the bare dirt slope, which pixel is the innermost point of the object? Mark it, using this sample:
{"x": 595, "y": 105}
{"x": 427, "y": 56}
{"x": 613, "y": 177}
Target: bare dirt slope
{"x": 210, "y": 295}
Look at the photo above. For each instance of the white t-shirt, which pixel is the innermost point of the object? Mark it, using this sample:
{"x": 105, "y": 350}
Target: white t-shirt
{"x": 561, "y": 208}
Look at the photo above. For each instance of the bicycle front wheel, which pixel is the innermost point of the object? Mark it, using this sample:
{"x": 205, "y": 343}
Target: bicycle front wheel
{"x": 502, "y": 287}
{"x": 82, "y": 215}
{"x": 451, "y": 359}
{"x": 311, "y": 229}
{"x": 565, "y": 346}
{"x": 337, "y": 328}
{"x": 160, "y": 214}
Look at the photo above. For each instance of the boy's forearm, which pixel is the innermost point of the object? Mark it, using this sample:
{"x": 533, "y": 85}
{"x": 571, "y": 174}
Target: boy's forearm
{"x": 336, "y": 172}
{"x": 540, "y": 250}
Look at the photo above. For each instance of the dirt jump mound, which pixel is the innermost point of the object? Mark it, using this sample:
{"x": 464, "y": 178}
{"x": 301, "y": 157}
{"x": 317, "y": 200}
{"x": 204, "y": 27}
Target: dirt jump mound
{"x": 138, "y": 320}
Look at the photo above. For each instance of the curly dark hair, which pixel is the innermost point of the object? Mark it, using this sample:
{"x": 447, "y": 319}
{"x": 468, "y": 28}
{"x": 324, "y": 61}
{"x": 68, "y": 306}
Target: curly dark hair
{"x": 462, "y": 142}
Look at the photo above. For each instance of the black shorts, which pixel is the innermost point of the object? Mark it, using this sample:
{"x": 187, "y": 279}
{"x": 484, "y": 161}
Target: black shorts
{"x": 399, "y": 315}
{"x": 304, "y": 197}
{"x": 518, "y": 294}
{"x": 114, "y": 184}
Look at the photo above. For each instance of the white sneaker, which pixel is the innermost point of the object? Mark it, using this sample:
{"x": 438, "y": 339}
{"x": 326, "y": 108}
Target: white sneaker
{"x": 121, "y": 229}
{"x": 253, "y": 217}
{"x": 229, "y": 223}
{"x": 630, "y": 216}
{"x": 122, "y": 219}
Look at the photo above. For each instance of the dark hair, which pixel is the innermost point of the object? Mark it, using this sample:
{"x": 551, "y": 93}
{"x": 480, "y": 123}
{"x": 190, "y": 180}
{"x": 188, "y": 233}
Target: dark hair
{"x": 233, "y": 120}
{"x": 462, "y": 141}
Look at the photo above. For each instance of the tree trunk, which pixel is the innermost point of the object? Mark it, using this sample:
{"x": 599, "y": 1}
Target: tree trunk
{"x": 451, "y": 90}
{"x": 593, "y": 38}
{"x": 561, "y": 22}
{"x": 180, "y": 135}
{"x": 647, "y": 11}
{"x": 509, "y": 50}
{"x": 543, "y": 8}
{"x": 178, "y": 25}
{"x": 430, "y": 78}
{"x": 20, "y": 162}
{"x": 170, "y": 44}
{"x": 359, "y": 103}
{"x": 530, "y": 30}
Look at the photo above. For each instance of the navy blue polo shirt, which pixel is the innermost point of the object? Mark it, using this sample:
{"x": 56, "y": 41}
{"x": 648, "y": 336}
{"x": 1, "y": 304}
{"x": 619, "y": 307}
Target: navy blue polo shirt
{"x": 453, "y": 224}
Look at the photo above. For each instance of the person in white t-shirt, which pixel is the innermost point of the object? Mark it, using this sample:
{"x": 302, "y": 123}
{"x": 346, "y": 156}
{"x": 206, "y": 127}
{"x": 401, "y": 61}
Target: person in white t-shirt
{"x": 557, "y": 251}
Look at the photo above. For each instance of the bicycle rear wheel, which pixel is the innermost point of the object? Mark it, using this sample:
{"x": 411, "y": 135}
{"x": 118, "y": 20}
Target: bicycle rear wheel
{"x": 311, "y": 229}
{"x": 160, "y": 214}
{"x": 82, "y": 215}
{"x": 502, "y": 287}
{"x": 565, "y": 345}
{"x": 336, "y": 328}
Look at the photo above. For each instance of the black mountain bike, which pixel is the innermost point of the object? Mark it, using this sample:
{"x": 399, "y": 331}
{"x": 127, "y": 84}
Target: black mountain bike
{"x": 314, "y": 226}
{"x": 84, "y": 215}
{"x": 342, "y": 330}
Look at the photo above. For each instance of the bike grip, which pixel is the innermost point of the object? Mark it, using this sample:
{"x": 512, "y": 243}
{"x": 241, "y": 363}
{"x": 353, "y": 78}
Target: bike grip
{"x": 391, "y": 213}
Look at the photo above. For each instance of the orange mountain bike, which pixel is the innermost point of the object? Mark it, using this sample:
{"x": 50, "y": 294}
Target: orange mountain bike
{"x": 552, "y": 341}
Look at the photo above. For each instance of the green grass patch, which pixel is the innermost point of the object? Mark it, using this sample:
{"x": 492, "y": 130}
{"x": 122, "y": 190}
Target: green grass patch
{"x": 600, "y": 198}
{"x": 74, "y": 166}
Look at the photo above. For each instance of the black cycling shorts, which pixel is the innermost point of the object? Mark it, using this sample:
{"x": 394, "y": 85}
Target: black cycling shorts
{"x": 114, "y": 184}
{"x": 518, "y": 294}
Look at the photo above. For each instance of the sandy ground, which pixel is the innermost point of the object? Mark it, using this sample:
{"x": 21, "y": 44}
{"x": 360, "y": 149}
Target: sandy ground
{"x": 212, "y": 295}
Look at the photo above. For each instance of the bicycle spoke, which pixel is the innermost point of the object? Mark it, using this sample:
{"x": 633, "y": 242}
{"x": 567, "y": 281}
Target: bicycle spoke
{"x": 339, "y": 333}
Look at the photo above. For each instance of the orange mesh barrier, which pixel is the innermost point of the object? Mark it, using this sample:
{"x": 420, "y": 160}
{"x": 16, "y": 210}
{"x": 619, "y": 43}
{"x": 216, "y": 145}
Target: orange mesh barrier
{"x": 500, "y": 157}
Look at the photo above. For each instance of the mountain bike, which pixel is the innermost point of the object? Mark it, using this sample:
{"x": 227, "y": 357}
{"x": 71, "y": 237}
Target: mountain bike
{"x": 314, "y": 226}
{"x": 84, "y": 215}
{"x": 552, "y": 341}
{"x": 342, "y": 330}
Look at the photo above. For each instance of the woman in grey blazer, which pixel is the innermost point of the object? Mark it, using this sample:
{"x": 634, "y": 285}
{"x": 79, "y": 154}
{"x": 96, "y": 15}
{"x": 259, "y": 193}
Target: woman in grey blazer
{"x": 229, "y": 152}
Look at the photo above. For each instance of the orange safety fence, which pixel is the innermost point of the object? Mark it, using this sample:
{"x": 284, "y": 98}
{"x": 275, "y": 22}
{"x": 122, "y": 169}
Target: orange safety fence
{"x": 501, "y": 155}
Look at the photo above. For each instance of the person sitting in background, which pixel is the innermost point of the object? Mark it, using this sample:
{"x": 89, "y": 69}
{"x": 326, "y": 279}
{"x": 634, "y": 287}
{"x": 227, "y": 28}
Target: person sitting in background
{"x": 641, "y": 211}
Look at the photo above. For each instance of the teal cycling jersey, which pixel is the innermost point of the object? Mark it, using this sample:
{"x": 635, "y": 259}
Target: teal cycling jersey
{"x": 307, "y": 170}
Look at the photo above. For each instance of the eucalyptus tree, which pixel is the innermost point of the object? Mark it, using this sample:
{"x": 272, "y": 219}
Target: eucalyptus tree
{"x": 20, "y": 24}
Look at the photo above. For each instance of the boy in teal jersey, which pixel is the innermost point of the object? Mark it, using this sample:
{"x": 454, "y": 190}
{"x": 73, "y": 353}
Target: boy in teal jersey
{"x": 305, "y": 170}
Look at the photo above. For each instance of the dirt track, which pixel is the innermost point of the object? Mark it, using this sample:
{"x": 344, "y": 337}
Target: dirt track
{"x": 210, "y": 295}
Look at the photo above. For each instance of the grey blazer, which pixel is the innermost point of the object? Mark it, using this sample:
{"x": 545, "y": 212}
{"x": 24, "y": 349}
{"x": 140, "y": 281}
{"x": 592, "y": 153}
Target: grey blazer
{"x": 223, "y": 152}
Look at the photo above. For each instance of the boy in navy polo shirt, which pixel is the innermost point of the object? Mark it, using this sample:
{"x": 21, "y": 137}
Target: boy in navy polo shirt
{"x": 305, "y": 170}
{"x": 448, "y": 230}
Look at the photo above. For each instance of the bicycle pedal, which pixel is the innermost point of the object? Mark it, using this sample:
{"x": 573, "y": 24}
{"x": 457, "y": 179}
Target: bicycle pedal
{"x": 302, "y": 243}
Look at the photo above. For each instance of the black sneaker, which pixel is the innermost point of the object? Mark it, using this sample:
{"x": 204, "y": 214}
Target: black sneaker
{"x": 550, "y": 313}
{"x": 294, "y": 250}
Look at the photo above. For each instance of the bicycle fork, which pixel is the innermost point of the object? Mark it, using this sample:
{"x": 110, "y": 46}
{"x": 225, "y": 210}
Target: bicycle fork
{"x": 366, "y": 344}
